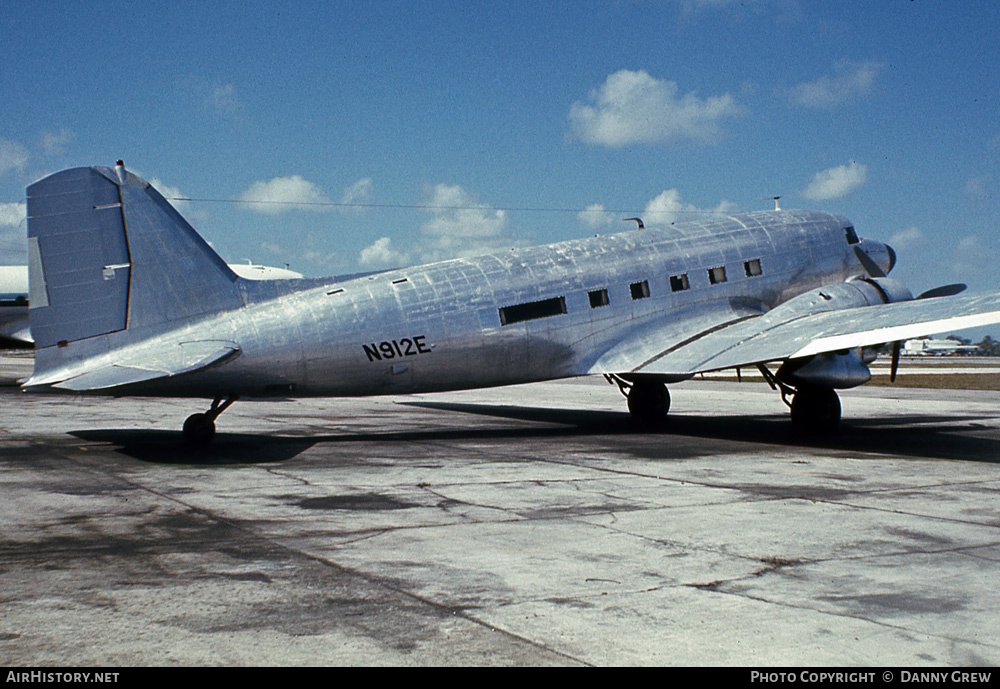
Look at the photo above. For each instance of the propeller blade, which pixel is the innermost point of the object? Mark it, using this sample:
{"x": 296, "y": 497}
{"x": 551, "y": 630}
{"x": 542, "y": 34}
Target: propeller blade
{"x": 943, "y": 291}
{"x": 871, "y": 266}
{"x": 894, "y": 366}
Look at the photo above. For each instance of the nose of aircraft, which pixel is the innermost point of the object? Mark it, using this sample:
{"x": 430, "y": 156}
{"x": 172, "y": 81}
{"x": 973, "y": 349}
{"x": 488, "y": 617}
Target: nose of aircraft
{"x": 883, "y": 255}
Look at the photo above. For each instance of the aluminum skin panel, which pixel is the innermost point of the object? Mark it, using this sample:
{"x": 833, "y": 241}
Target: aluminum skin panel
{"x": 79, "y": 255}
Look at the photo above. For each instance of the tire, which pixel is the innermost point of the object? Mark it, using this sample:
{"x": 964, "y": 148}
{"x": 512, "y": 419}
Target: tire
{"x": 199, "y": 429}
{"x": 815, "y": 411}
{"x": 648, "y": 402}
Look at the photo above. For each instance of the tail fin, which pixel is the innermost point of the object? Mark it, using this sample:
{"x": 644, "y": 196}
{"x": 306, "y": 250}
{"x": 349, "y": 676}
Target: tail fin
{"x": 108, "y": 254}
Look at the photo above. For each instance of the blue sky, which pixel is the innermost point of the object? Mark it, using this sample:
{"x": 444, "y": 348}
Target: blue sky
{"x": 515, "y": 122}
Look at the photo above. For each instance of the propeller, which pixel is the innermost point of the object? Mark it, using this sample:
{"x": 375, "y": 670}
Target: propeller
{"x": 875, "y": 271}
{"x": 894, "y": 365}
{"x": 871, "y": 266}
{"x": 942, "y": 291}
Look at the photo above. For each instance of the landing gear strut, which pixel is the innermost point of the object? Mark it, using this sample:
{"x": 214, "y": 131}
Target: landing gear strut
{"x": 199, "y": 429}
{"x": 815, "y": 409}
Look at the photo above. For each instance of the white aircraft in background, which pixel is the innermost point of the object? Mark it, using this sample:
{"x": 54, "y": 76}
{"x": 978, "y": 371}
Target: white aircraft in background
{"x": 14, "y": 328}
{"x": 127, "y": 299}
{"x": 14, "y": 306}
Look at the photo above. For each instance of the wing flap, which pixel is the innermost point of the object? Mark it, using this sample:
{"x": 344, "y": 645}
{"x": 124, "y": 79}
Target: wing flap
{"x": 676, "y": 329}
{"x": 149, "y": 361}
{"x": 758, "y": 340}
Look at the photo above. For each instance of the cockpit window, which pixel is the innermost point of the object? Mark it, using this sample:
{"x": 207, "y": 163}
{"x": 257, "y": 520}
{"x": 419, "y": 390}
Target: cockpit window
{"x": 852, "y": 236}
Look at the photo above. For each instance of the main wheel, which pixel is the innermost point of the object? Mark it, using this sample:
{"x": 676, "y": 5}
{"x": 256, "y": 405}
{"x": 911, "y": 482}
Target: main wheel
{"x": 648, "y": 401}
{"x": 815, "y": 410}
{"x": 199, "y": 429}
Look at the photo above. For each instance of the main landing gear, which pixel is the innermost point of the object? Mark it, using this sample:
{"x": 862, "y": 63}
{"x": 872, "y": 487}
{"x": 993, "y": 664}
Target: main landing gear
{"x": 815, "y": 409}
{"x": 648, "y": 399}
{"x": 199, "y": 429}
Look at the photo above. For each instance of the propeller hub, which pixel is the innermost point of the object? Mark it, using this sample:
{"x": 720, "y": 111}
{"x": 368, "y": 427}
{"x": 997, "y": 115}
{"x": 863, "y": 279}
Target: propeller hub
{"x": 877, "y": 258}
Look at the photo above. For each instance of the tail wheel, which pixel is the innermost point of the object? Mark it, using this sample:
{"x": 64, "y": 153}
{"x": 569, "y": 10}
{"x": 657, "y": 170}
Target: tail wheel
{"x": 815, "y": 410}
{"x": 199, "y": 429}
{"x": 648, "y": 401}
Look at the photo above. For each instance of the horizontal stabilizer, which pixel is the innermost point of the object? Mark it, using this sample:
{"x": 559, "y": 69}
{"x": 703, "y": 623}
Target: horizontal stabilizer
{"x": 150, "y": 361}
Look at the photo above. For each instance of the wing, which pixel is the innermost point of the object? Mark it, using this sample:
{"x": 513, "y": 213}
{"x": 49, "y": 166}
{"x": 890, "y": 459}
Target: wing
{"x": 148, "y": 361}
{"x": 752, "y": 340}
{"x": 674, "y": 331}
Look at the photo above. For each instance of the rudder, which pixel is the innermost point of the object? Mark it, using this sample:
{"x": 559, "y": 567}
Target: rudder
{"x": 107, "y": 253}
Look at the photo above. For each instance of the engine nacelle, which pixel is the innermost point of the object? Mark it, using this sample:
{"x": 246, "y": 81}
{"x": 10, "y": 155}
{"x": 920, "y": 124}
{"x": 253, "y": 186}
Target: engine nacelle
{"x": 845, "y": 369}
{"x": 840, "y": 370}
{"x": 855, "y": 292}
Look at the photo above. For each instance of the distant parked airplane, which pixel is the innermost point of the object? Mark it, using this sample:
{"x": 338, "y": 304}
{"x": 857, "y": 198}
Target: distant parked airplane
{"x": 127, "y": 299}
{"x": 14, "y": 327}
{"x": 14, "y": 305}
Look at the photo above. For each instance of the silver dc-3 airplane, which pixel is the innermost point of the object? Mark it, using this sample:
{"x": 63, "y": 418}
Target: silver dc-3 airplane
{"x": 127, "y": 299}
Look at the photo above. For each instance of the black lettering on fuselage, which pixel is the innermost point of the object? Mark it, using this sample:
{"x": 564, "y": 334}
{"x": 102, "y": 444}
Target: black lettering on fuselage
{"x": 391, "y": 349}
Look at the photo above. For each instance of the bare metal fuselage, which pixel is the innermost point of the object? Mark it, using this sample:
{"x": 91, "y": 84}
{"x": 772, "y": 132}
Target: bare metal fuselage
{"x": 441, "y": 326}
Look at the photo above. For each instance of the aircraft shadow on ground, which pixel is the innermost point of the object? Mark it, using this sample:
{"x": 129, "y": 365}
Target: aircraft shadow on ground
{"x": 921, "y": 436}
{"x": 169, "y": 447}
{"x": 913, "y": 435}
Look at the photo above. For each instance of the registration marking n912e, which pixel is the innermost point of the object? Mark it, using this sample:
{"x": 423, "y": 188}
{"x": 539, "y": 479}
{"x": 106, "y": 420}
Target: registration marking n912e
{"x": 391, "y": 349}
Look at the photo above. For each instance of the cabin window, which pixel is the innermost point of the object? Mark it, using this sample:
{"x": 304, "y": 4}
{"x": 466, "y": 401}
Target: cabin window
{"x": 532, "y": 310}
{"x": 640, "y": 290}
{"x": 852, "y": 236}
{"x": 679, "y": 283}
{"x": 599, "y": 297}
{"x": 717, "y": 275}
{"x": 752, "y": 267}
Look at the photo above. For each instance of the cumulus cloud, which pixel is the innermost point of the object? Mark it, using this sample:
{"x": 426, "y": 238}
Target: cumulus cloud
{"x": 224, "y": 99}
{"x": 836, "y": 182}
{"x": 170, "y": 193}
{"x": 13, "y": 156}
{"x": 668, "y": 207}
{"x": 595, "y": 217}
{"x": 305, "y": 252}
{"x": 12, "y": 214}
{"x": 849, "y": 80}
{"x": 974, "y": 258}
{"x": 283, "y": 194}
{"x": 635, "y": 108}
{"x": 905, "y": 238}
{"x": 358, "y": 193}
{"x": 462, "y": 226}
{"x": 973, "y": 250}
{"x": 980, "y": 188}
{"x": 54, "y": 143}
{"x": 382, "y": 255}
{"x": 13, "y": 233}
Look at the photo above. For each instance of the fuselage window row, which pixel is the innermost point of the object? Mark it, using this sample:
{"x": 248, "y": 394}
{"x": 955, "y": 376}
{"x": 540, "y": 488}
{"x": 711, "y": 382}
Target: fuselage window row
{"x": 532, "y": 310}
{"x": 556, "y": 306}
